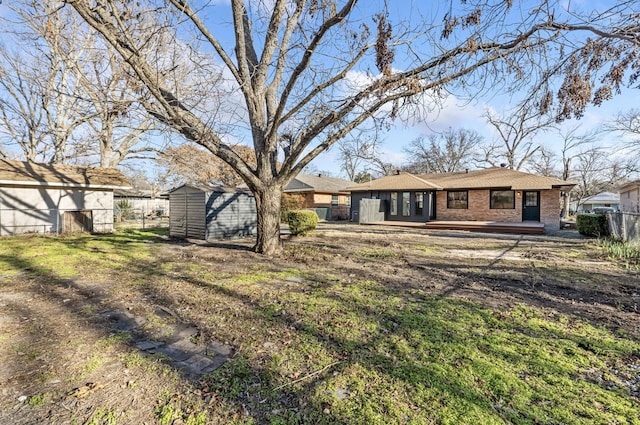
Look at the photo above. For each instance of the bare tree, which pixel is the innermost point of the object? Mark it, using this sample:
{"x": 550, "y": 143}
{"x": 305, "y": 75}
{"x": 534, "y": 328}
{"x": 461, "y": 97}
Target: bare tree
{"x": 306, "y": 68}
{"x": 544, "y": 163}
{"x": 515, "y": 144}
{"x": 596, "y": 171}
{"x": 21, "y": 114}
{"x": 628, "y": 124}
{"x": 452, "y": 150}
{"x": 65, "y": 96}
{"x": 579, "y": 159}
{"x": 357, "y": 150}
{"x": 118, "y": 121}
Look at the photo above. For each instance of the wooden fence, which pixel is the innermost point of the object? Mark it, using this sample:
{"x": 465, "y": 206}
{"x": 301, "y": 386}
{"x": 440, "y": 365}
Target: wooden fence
{"x": 625, "y": 225}
{"x": 371, "y": 211}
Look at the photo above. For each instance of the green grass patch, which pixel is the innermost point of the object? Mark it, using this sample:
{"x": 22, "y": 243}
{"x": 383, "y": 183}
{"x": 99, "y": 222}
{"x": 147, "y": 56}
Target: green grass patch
{"x": 102, "y": 416}
{"x": 427, "y": 249}
{"x": 37, "y": 400}
{"x": 616, "y": 249}
{"x": 362, "y": 354}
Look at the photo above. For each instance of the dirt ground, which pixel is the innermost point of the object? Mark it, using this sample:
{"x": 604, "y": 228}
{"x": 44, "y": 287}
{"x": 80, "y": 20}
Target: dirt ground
{"x": 61, "y": 361}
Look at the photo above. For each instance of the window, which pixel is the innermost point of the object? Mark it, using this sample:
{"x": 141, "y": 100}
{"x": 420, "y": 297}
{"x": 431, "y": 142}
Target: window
{"x": 393, "y": 208}
{"x": 531, "y": 199}
{"x": 334, "y": 200}
{"x": 505, "y": 199}
{"x": 419, "y": 202}
{"x": 457, "y": 200}
{"x": 348, "y": 200}
{"x": 406, "y": 204}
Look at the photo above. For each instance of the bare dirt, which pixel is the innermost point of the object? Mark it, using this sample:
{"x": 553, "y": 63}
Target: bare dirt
{"x": 61, "y": 361}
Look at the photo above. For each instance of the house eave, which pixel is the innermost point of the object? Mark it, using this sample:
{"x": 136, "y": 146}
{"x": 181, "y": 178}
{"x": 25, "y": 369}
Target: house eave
{"x": 61, "y": 184}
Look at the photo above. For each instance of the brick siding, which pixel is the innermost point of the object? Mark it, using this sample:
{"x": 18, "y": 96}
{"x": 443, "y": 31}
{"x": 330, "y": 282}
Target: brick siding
{"x": 479, "y": 208}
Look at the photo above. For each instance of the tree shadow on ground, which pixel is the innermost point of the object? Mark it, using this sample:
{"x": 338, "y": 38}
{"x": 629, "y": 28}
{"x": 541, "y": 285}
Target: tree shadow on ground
{"x": 401, "y": 305}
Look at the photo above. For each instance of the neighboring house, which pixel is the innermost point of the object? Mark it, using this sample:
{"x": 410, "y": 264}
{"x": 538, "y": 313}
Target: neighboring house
{"x": 327, "y": 195}
{"x": 144, "y": 202}
{"x": 45, "y": 198}
{"x": 601, "y": 200}
{"x": 206, "y": 213}
{"x": 630, "y": 197}
{"x": 492, "y": 194}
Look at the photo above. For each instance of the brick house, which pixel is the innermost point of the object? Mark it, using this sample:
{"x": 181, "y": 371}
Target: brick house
{"x": 326, "y": 195}
{"x": 492, "y": 194}
{"x": 630, "y": 197}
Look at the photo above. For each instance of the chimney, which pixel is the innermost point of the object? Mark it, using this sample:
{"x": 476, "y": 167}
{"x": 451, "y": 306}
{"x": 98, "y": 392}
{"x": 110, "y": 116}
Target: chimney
{"x": 398, "y": 172}
{"x": 466, "y": 170}
{"x": 503, "y": 165}
{"x": 319, "y": 174}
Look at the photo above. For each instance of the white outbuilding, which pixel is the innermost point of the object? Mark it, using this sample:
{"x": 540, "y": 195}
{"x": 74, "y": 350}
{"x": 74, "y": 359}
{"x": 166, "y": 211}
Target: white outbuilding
{"x": 46, "y": 198}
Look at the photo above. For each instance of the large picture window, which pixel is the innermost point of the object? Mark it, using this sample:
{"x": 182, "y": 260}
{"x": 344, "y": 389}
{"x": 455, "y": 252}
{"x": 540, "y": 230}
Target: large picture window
{"x": 393, "y": 207}
{"x": 503, "y": 199}
{"x": 458, "y": 200}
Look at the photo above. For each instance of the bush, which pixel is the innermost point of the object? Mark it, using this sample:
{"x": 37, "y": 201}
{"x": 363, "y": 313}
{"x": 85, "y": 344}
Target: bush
{"x": 592, "y": 224}
{"x": 290, "y": 202}
{"x": 302, "y": 222}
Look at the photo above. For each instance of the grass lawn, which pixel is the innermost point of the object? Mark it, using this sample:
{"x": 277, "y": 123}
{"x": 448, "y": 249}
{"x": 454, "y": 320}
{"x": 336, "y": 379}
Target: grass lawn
{"x": 370, "y": 331}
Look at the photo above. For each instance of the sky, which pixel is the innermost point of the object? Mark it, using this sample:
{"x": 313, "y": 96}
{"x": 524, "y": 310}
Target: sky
{"x": 459, "y": 114}
{"x": 456, "y": 113}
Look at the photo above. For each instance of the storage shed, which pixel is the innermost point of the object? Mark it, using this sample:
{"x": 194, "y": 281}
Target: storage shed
{"x": 205, "y": 213}
{"x": 46, "y": 198}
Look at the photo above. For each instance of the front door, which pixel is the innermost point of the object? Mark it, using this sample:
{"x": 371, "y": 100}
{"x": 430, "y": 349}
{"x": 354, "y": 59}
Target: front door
{"x": 530, "y": 206}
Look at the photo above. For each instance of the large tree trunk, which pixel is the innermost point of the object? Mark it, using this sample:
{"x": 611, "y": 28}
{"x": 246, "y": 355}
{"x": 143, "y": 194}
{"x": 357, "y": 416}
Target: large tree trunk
{"x": 268, "y": 199}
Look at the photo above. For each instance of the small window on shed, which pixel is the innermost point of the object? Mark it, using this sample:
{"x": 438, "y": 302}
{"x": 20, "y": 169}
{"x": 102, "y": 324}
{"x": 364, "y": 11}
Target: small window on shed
{"x": 335, "y": 199}
{"x": 348, "y": 200}
{"x": 458, "y": 199}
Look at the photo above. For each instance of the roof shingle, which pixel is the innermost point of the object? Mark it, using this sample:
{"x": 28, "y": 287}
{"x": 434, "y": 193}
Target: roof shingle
{"x": 317, "y": 183}
{"x": 29, "y": 173}
{"x": 495, "y": 177}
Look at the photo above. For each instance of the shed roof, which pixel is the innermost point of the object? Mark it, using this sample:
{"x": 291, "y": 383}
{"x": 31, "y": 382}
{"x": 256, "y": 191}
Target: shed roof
{"x": 495, "y": 177}
{"x": 212, "y": 189}
{"x": 32, "y": 174}
{"x": 317, "y": 183}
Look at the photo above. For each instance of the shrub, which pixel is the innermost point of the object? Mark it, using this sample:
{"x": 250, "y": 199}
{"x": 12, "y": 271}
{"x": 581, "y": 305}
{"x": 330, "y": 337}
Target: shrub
{"x": 302, "y": 222}
{"x": 592, "y": 224}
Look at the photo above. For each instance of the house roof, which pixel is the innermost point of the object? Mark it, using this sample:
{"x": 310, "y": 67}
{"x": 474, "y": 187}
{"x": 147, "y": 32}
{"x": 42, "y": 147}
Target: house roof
{"x": 603, "y": 197}
{"x": 495, "y": 177}
{"x": 317, "y": 183}
{"x": 398, "y": 181}
{"x": 629, "y": 186}
{"x": 32, "y": 174}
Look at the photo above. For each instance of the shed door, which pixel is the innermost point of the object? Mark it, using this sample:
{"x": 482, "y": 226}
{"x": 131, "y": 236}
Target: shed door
{"x": 530, "y": 206}
{"x": 77, "y": 221}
